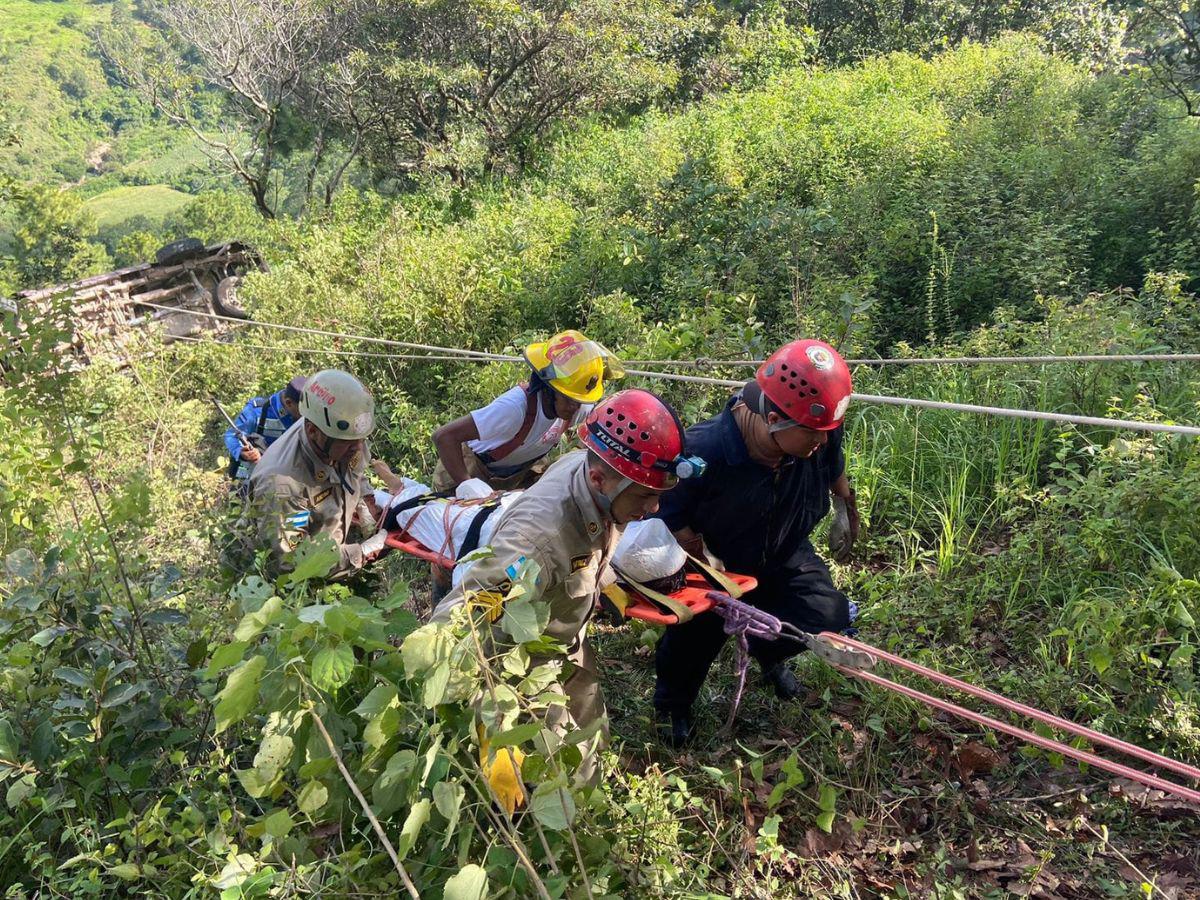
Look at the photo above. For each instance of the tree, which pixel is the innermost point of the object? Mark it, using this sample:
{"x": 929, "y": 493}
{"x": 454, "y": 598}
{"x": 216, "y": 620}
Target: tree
{"x": 1167, "y": 36}
{"x": 461, "y": 85}
{"x": 53, "y": 237}
{"x": 258, "y": 82}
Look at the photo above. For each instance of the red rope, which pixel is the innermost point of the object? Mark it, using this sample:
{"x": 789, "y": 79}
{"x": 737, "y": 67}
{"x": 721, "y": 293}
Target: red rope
{"x": 1095, "y": 737}
{"x": 1028, "y": 736}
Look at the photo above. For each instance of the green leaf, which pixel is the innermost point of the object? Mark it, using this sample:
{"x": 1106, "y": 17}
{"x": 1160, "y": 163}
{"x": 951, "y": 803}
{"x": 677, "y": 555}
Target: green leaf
{"x": 1181, "y": 615}
{"x": 20, "y": 791}
{"x": 278, "y": 824}
{"x": 73, "y": 677}
{"x": 127, "y": 871}
{"x": 1101, "y": 658}
{"x": 417, "y": 817}
{"x": 197, "y": 650}
{"x": 315, "y": 614}
{"x": 468, "y": 883}
{"x": 44, "y": 746}
{"x": 447, "y": 798}
{"x": 253, "y": 624}
{"x": 436, "y": 683}
{"x": 21, "y": 563}
{"x": 332, "y": 667}
{"x": 825, "y": 822}
{"x": 118, "y": 694}
{"x": 524, "y": 619}
{"x": 827, "y": 798}
{"x": 47, "y": 636}
{"x": 8, "y": 741}
{"x": 314, "y": 558}
{"x": 274, "y": 753}
{"x": 251, "y": 592}
{"x": 382, "y": 728}
{"x": 238, "y": 696}
{"x": 226, "y": 656}
{"x": 424, "y": 649}
{"x": 517, "y": 735}
{"x": 553, "y": 806}
{"x": 380, "y": 698}
{"x": 313, "y": 796}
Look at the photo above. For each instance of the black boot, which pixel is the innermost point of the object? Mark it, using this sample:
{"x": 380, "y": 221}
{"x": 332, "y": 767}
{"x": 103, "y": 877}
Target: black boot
{"x": 674, "y": 728}
{"x": 781, "y": 677}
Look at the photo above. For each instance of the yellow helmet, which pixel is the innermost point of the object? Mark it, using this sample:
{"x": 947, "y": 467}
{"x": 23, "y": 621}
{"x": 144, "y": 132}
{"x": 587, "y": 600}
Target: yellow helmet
{"x": 573, "y": 365}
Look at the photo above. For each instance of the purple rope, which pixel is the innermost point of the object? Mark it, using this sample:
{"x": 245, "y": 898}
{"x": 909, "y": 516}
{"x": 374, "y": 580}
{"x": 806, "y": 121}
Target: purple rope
{"x": 743, "y": 621}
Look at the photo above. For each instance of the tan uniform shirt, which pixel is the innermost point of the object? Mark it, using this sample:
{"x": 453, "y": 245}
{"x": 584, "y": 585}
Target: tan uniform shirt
{"x": 295, "y": 495}
{"x": 556, "y": 524}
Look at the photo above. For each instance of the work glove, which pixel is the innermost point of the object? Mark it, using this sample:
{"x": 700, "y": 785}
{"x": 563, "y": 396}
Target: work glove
{"x": 374, "y": 545}
{"x": 503, "y": 773}
{"x": 843, "y": 531}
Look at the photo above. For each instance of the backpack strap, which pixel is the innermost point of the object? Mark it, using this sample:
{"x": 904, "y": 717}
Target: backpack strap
{"x": 532, "y": 398}
{"x": 261, "y": 427}
{"x": 391, "y": 520}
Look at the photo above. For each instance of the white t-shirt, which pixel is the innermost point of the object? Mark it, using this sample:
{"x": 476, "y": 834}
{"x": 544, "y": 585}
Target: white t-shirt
{"x": 499, "y": 422}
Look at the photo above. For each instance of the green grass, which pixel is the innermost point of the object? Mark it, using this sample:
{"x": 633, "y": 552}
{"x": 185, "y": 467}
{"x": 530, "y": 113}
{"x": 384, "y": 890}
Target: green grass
{"x": 154, "y": 201}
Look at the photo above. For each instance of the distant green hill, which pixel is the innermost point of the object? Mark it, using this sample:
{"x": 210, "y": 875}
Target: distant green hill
{"x": 75, "y": 128}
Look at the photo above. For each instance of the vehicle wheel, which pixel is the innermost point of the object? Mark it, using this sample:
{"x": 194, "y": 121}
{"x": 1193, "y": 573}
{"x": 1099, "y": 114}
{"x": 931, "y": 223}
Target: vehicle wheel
{"x": 179, "y": 251}
{"x": 225, "y": 302}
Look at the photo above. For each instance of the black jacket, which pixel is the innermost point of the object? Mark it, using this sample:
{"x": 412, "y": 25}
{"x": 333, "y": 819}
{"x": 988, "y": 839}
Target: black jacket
{"x": 757, "y": 520}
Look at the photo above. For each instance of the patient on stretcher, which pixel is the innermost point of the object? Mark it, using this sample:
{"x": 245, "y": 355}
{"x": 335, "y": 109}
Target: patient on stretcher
{"x": 455, "y": 526}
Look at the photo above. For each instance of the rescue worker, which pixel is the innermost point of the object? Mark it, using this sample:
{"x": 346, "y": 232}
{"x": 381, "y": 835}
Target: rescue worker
{"x": 262, "y": 421}
{"x": 774, "y": 458}
{"x": 313, "y": 479}
{"x": 506, "y": 442}
{"x": 569, "y": 524}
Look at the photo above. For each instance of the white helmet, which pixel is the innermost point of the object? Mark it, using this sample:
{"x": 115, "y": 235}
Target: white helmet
{"x": 338, "y": 404}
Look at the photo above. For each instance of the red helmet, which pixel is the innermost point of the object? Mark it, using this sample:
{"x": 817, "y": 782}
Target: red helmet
{"x": 641, "y": 438}
{"x": 809, "y": 381}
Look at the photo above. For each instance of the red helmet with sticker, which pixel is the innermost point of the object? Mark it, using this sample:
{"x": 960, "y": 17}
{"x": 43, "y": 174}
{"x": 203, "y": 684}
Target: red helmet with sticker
{"x": 809, "y": 382}
{"x": 640, "y": 437}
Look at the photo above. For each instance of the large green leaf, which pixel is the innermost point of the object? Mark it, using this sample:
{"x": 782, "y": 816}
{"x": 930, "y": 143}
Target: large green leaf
{"x": 448, "y": 797}
{"x": 553, "y": 806}
{"x": 381, "y": 697}
{"x": 312, "y": 797}
{"x": 417, "y": 817}
{"x": 253, "y": 624}
{"x": 524, "y": 619}
{"x": 226, "y": 656}
{"x": 468, "y": 883}
{"x": 313, "y": 559}
{"x": 238, "y": 696}
{"x": 332, "y": 667}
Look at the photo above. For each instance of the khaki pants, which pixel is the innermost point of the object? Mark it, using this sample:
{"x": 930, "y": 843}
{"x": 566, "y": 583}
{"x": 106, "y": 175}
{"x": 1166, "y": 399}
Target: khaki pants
{"x": 585, "y": 704}
{"x": 476, "y": 469}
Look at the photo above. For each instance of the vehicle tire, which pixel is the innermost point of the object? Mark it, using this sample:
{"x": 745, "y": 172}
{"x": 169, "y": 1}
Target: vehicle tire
{"x": 225, "y": 301}
{"x": 179, "y": 251}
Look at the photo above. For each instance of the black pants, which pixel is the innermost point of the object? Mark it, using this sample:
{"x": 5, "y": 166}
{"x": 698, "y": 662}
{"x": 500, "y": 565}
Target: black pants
{"x": 805, "y": 597}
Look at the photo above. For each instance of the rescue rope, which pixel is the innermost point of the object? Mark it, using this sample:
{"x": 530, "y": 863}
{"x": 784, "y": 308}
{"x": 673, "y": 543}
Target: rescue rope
{"x": 854, "y": 659}
{"x": 476, "y": 355}
{"x": 704, "y": 362}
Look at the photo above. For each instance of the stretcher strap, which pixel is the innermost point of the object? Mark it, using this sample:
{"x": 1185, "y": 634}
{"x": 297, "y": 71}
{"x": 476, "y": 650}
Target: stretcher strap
{"x": 680, "y": 610}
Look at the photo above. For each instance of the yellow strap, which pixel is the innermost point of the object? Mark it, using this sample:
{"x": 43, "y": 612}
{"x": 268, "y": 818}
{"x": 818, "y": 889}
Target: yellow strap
{"x": 731, "y": 587}
{"x": 682, "y": 612}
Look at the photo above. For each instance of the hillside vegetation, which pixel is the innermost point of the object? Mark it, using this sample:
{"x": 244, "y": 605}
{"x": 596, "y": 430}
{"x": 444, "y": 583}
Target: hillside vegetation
{"x": 172, "y": 727}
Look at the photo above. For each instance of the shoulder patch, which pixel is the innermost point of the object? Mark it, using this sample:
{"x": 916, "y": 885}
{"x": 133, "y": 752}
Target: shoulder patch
{"x": 580, "y": 562}
{"x": 320, "y": 498}
{"x": 298, "y": 521}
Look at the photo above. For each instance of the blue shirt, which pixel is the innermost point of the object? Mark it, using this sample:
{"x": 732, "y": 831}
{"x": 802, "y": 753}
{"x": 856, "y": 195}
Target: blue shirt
{"x": 755, "y": 519}
{"x": 261, "y": 415}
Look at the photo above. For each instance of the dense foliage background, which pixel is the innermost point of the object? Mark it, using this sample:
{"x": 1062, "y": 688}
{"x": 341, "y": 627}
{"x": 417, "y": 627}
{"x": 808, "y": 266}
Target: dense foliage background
{"x": 163, "y": 720}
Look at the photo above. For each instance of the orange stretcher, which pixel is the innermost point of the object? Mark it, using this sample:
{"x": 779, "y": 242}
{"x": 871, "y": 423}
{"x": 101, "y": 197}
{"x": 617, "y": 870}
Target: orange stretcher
{"x": 693, "y": 595}
{"x": 402, "y": 541}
